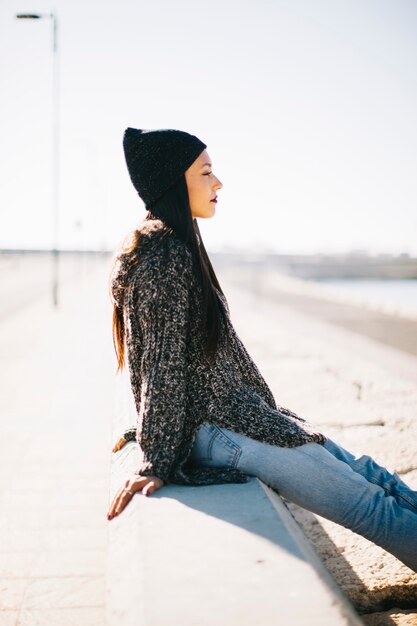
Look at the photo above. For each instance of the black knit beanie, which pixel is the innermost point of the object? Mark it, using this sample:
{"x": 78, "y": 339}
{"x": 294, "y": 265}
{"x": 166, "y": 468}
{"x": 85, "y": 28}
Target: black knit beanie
{"x": 156, "y": 159}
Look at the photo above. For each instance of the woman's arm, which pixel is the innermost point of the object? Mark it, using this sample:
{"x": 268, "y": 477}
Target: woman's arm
{"x": 162, "y": 307}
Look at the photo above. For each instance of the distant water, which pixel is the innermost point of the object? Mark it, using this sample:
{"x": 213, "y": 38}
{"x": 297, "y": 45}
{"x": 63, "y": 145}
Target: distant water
{"x": 393, "y": 295}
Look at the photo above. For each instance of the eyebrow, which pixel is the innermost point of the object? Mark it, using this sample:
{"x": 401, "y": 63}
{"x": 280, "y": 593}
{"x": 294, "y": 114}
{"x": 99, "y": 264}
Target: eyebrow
{"x": 206, "y": 164}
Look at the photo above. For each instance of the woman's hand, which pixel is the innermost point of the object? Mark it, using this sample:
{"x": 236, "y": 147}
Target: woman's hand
{"x": 146, "y": 484}
{"x": 119, "y": 445}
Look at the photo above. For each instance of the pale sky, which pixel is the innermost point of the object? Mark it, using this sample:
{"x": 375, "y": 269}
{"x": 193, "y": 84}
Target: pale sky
{"x": 308, "y": 109}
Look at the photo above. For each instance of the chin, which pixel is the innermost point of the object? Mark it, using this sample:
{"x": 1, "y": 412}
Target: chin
{"x": 207, "y": 214}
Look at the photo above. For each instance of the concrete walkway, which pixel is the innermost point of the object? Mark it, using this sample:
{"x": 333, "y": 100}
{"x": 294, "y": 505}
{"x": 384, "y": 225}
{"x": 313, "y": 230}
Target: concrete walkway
{"x": 56, "y": 405}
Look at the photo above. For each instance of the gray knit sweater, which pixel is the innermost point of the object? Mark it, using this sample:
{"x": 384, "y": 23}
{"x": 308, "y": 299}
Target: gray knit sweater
{"x": 174, "y": 387}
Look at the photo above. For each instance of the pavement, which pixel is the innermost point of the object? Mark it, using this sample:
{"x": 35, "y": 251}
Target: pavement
{"x": 56, "y": 406}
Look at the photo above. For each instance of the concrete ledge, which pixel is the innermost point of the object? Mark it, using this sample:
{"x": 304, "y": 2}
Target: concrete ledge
{"x": 219, "y": 555}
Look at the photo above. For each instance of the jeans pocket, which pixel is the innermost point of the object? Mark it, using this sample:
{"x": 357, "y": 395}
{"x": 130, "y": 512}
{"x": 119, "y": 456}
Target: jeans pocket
{"x": 213, "y": 447}
{"x": 200, "y": 452}
{"x": 225, "y": 452}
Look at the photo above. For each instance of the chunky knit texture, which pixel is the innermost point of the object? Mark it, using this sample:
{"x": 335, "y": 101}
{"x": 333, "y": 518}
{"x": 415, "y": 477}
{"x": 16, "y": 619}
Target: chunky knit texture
{"x": 174, "y": 387}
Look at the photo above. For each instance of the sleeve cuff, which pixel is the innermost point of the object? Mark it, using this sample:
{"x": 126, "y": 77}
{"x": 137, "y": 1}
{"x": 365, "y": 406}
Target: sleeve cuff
{"x": 130, "y": 434}
{"x": 147, "y": 469}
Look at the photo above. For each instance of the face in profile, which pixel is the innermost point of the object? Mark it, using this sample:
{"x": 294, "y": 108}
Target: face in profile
{"x": 202, "y": 186}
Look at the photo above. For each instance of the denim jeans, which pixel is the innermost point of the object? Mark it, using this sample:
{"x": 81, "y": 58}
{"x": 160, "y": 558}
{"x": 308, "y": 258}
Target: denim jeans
{"x": 354, "y": 492}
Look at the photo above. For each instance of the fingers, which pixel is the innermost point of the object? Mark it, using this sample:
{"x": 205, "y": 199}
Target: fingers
{"x": 119, "y": 444}
{"x": 149, "y": 488}
{"x": 117, "y": 500}
{"x": 123, "y": 497}
{"x": 120, "y": 500}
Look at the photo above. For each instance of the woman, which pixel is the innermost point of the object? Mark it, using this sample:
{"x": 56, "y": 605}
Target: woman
{"x": 205, "y": 413}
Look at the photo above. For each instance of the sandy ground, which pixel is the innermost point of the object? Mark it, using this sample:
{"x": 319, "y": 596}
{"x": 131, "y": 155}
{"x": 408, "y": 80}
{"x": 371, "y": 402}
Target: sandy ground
{"x": 362, "y": 393}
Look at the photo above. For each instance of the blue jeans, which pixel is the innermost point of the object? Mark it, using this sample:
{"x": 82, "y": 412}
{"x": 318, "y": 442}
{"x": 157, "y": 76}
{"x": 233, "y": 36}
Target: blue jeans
{"x": 354, "y": 492}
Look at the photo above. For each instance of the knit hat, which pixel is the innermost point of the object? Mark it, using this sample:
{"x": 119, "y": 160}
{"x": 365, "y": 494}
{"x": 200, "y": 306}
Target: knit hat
{"x": 156, "y": 159}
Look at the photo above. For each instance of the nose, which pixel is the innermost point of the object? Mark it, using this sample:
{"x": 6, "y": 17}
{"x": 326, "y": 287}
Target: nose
{"x": 219, "y": 184}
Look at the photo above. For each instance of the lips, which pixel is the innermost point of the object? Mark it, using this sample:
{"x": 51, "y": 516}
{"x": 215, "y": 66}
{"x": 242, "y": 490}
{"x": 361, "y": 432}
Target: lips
{"x": 214, "y": 199}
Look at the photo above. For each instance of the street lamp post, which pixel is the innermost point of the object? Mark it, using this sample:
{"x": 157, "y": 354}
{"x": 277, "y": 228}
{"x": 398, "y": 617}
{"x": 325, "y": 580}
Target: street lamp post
{"x": 55, "y": 151}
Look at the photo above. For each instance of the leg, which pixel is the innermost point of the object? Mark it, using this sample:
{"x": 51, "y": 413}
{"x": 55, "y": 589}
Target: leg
{"x": 367, "y": 467}
{"x": 312, "y": 477}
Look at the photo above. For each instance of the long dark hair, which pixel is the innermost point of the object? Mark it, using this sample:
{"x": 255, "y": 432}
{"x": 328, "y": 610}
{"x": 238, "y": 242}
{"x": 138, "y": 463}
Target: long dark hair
{"x": 173, "y": 208}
